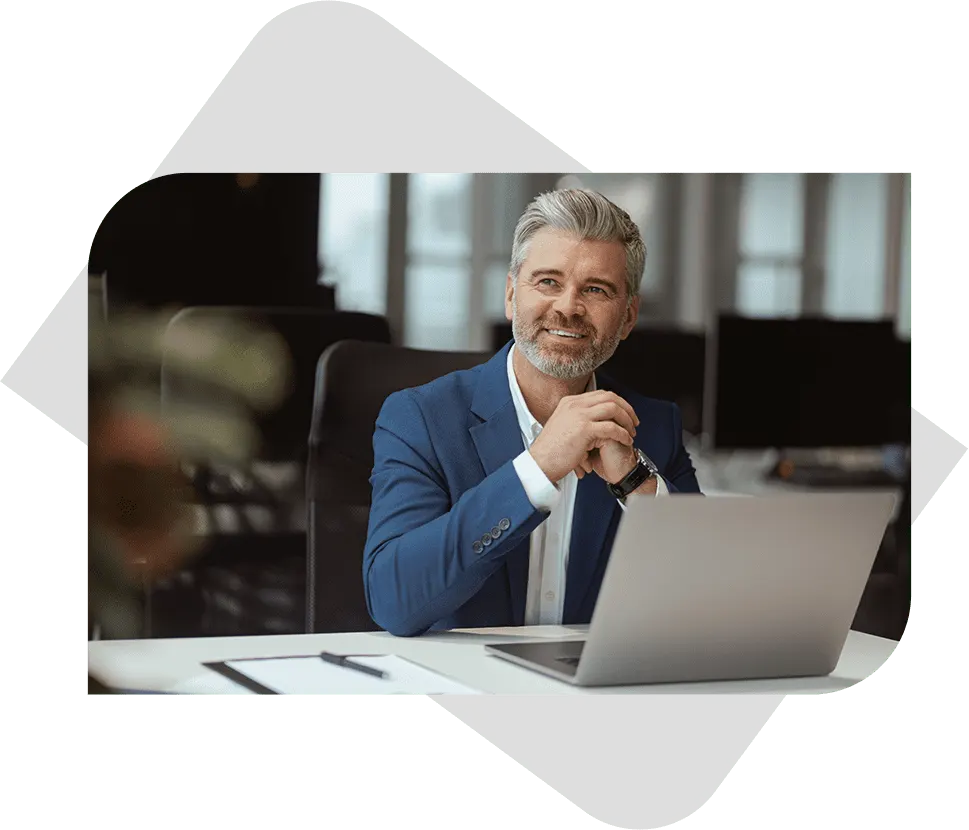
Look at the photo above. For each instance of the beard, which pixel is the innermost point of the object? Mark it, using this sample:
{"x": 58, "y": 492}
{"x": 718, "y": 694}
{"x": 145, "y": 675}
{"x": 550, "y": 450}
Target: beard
{"x": 563, "y": 360}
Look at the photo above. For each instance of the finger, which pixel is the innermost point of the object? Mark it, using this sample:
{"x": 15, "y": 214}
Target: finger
{"x": 601, "y": 396}
{"x": 610, "y": 431}
{"x": 628, "y": 407}
{"x": 586, "y": 463}
{"x": 623, "y": 417}
{"x": 583, "y": 469}
{"x": 611, "y": 411}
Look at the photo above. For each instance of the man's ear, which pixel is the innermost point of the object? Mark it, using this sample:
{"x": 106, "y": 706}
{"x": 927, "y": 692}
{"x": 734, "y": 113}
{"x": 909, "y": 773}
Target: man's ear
{"x": 509, "y": 294}
{"x": 632, "y": 315}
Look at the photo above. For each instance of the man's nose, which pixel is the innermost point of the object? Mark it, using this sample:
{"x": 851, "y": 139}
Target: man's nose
{"x": 569, "y": 303}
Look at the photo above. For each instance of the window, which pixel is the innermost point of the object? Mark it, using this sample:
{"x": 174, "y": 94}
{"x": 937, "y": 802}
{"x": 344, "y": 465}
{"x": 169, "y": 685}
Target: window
{"x": 496, "y": 278}
{"x": 854, "y": 284}
{"x": 436, "y": 303}
{"x": 768, "y": 289}
{"x": 771, "y": 245}
{"x": 508, "y": 197}
{"x": 353, "y": 239}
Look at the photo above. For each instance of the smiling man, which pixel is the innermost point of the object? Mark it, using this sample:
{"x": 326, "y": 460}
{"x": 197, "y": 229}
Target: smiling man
{"x": 497, "y": 491}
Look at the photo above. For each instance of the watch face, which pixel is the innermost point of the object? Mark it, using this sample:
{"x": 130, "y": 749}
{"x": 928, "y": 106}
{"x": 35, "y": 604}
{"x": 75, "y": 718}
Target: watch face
{"x": 646, "y": 461}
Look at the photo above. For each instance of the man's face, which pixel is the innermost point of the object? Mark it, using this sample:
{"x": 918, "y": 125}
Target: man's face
{"x": 569, "y": 307}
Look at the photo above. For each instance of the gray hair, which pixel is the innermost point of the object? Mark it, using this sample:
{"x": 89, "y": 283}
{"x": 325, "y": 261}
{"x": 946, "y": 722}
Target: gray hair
{"x": 588, "y": 215}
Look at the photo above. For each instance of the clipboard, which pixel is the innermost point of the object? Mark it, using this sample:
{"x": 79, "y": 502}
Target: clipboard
{"x": 229, "y": 673}
{"x": 309, "y": 674}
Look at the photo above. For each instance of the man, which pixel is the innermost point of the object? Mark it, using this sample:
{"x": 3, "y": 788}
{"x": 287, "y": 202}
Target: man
{"x": 491, "y": 499}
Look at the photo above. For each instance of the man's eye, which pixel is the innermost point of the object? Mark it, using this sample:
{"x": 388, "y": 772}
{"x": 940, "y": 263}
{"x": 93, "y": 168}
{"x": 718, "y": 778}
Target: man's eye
{"x": 595, "y": 288}
{"x": 547, "y": 281}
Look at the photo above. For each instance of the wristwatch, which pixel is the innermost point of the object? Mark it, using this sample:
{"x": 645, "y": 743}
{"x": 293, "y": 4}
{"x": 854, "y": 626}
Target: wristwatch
{"x": 644, "y": 470}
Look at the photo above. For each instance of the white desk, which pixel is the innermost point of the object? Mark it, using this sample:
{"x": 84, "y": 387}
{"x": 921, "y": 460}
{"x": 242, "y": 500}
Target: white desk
{"x": 166, "y": 665}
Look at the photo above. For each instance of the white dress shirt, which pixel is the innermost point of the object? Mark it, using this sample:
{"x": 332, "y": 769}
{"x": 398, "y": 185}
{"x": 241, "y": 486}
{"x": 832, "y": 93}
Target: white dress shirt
{"x": 549, "y": 542}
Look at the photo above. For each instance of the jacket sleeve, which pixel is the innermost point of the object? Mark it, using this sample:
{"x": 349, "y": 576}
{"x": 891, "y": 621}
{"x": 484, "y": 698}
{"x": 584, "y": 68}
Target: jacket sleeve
{"x": 421, "y": 561}
{"x": 680, "y": 475}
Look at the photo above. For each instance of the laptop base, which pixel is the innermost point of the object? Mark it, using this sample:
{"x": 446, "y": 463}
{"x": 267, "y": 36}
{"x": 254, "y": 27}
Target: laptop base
{"x": 559, "y": 659}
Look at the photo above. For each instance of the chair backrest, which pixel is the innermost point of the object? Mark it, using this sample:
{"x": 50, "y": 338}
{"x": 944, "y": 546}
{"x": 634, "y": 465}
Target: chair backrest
{"x": 353, "y": 380}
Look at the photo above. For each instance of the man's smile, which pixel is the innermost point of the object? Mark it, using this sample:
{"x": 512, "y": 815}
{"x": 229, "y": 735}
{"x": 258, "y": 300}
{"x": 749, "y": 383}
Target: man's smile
{"x": 565, "y": 334}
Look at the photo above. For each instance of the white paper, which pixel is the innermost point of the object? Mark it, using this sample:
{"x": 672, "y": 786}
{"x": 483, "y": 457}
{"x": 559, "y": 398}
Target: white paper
{"x": 313, "y": 676}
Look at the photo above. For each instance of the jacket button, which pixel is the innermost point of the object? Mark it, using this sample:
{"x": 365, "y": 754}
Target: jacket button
{"x": 486, "y": 539}
{"x": 477, "y": 547}
{"x": 504, "y": 524}
{"x": 495, "y": 532}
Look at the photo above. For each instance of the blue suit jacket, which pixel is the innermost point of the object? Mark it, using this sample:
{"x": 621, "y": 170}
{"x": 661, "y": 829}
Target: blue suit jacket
{"x": 443, "y": 478}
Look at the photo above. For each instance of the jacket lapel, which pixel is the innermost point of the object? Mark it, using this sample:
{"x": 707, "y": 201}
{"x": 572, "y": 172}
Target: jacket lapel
{"x": 498, "y": 440}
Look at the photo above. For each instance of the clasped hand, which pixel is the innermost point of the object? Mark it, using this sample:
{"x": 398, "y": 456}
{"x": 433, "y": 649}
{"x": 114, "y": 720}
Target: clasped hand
{"x": 588, "y": 433}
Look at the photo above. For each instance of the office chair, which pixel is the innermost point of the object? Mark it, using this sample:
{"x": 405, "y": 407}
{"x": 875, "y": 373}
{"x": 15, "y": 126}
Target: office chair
{"x": 352, "y": 381}
{"x": 252, "y": 571}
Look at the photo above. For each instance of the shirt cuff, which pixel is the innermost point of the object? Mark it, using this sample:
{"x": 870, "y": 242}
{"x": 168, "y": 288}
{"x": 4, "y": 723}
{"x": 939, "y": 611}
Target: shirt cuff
{"x": 540, "y": 491}
{"x": 661, "y": 488}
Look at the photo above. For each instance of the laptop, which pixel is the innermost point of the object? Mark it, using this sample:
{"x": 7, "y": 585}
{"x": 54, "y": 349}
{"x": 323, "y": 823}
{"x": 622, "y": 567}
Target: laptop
{"x": 722, "y": 588}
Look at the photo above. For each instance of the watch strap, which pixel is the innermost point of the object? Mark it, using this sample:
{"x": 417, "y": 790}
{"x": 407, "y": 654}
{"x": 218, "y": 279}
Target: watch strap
{"x": 644, "y": 470}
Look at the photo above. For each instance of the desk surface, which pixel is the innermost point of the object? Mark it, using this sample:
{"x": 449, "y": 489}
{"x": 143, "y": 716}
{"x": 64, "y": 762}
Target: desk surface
{"x": 175, "y": 665}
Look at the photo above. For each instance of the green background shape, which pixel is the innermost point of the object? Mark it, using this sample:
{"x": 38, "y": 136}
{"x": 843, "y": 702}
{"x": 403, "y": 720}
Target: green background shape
{"x": 95, "y": 90}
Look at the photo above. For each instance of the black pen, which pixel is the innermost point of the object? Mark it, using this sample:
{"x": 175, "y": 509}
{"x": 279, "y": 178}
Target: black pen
{"x": 338, "y": 660}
